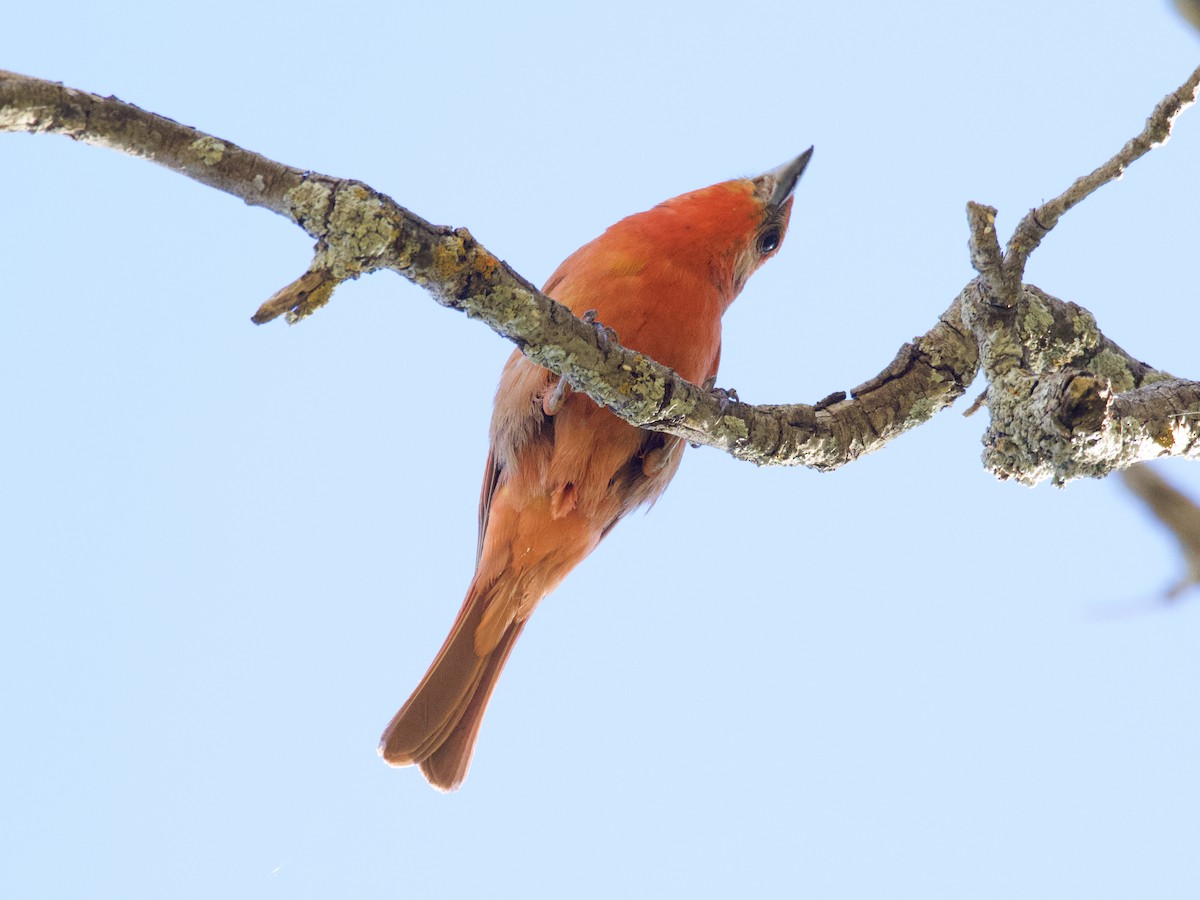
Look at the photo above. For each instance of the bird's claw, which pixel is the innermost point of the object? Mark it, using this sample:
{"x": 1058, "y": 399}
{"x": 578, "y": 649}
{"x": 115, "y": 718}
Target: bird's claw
{"x": 552, "y": 403}
{"x": 724, "y": 396}
{"x": 603, "y": 332}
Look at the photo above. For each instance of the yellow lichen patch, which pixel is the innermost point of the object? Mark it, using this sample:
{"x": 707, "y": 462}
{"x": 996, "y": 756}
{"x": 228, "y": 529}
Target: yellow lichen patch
{"x": 1165, "y": 437}
{"x": 209, "y": 149}
{"x": 736, "y": 428}
{"x": 1181, "y": 434}
{"x": 486, "y": 265}
{"x": 1086, "y": 399}
{"x": 359, "y": 231}
{"x": 308, "y": 200}
{"x": 448, "y": 255}
{"x": 1081, "y": 387}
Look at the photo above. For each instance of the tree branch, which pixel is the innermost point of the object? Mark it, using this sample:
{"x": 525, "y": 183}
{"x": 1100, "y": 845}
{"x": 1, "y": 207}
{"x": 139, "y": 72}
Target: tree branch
{"x": 1038, "y": 222}
{"x": 1065, "y": 401}
{"x": 359, "y": 230}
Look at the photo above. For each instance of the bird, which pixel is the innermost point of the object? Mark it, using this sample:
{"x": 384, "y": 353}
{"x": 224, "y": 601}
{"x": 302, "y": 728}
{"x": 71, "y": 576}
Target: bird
{"x": 562, "y": 470}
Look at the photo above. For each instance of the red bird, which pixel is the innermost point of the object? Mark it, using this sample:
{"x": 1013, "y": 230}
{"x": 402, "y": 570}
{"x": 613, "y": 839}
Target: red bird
{"x": 561, "y": 470}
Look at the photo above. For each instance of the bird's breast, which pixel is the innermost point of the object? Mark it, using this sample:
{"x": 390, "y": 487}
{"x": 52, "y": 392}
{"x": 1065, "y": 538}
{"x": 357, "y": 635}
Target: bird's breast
{"x": 662, "y": 310}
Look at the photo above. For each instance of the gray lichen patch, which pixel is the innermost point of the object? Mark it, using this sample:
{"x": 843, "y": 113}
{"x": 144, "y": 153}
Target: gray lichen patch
{"x": 359, "y": 230}
{"x": 922, "y": 410}
{"x": 1055, "y": 334}
{"x": 643, "y": 383}
{"x": 1115, "y": 368}
{"x": 210, "y": 150}
{"x": 308, "y": 203}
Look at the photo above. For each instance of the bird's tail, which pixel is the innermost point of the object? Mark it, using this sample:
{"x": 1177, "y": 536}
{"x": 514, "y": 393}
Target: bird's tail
{"x": 437, "y": 727}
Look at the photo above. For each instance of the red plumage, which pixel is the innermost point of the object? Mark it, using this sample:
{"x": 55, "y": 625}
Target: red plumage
{"x": 562, "y": 471}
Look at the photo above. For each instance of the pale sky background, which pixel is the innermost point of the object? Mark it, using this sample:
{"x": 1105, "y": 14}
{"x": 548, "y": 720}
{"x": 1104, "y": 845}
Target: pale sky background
{"x": 228, "y": 553}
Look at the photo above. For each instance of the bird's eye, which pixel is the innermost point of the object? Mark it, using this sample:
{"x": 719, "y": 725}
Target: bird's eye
{"x": 768, "y": 241}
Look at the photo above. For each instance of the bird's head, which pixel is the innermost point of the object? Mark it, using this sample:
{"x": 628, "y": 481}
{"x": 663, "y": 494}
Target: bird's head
{"x": 728, "y": 229}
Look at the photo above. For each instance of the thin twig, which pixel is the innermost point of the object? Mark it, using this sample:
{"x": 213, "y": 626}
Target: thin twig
{"x": 986, "y": 257}
{"x": 1037, "y": 222}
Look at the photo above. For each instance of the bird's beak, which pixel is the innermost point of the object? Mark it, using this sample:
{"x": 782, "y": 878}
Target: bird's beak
{"x": 784, "y": 178}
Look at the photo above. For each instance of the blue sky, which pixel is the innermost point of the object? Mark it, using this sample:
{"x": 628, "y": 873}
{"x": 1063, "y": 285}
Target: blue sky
{"x": 228, "y": 553}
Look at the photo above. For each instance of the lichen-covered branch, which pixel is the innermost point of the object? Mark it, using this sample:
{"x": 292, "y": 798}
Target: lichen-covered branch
{"x": 358, "y": 230}
{"x": 1037, "y": 222}
{"x": 1065, "y": 401}
{"x": 44, "y": 107}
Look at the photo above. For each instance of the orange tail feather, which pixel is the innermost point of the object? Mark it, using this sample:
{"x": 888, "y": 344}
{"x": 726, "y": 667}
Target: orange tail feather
{"x": 437, "y": 727}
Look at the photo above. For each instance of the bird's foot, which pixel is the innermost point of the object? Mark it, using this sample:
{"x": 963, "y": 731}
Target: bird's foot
{"x": 603, "y": 332}
{"x": 724, "y": 397}
{"x": 553, "y": 401}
